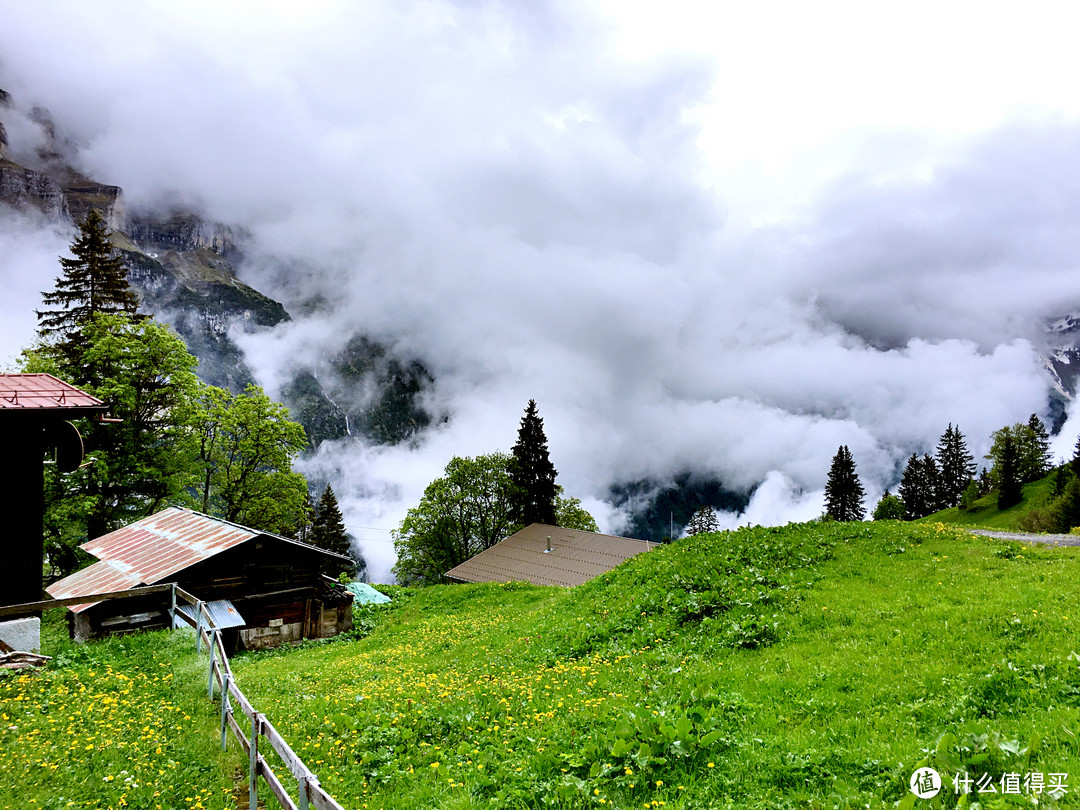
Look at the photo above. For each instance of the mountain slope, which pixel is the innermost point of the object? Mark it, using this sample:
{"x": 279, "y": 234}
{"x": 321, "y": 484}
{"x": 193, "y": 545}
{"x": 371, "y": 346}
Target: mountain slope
{"x": 810, "y": 666}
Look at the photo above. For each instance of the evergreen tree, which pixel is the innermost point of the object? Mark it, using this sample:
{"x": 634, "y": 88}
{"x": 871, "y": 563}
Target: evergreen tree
{"x": 93, "y": 282}
{"x": 918, "y": 487}
{"x": 533, "y": 473}
{"x": 1010, "y": 487}
{"x": 843, "y": 491}
{"x": 1037, "y": 459}
{"x": 955, "y": 467}
{"x": 703, "y": 521}
{"x": 328, "y": 528}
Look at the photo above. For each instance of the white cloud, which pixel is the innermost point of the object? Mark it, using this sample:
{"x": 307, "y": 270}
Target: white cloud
{"x": 727, "y": 237}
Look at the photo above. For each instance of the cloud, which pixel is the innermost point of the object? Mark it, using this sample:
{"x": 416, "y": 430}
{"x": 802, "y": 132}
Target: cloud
{"x": 528, "y": 204}
{"x": 28, "y": 266}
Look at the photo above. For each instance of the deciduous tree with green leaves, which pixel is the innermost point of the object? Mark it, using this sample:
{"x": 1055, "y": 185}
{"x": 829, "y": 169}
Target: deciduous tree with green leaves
{"x": 469, "y": 509}
{"x": 139, "y": 464}
{"x": 245, "y": 445}
{"x": 570, "y": 514}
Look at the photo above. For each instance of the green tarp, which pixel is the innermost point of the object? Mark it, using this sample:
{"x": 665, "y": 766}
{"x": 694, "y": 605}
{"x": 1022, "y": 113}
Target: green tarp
{"x": 365, "y": 594}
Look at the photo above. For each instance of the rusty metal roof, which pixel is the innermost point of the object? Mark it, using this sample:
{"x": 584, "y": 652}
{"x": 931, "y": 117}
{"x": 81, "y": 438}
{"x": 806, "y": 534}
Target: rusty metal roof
{"x": 44, "y": 392}
{"x": 575, "y": 557}
{"x": 101, "y": 577}
{"x": 155, "y": 549}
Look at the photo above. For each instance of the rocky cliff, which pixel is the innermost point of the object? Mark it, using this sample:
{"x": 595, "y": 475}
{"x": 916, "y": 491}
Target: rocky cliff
{"x": 182, "y": 266}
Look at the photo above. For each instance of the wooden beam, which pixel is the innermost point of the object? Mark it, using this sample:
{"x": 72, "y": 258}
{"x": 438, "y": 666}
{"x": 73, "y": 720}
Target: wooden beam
{"x": 33, "y": 607}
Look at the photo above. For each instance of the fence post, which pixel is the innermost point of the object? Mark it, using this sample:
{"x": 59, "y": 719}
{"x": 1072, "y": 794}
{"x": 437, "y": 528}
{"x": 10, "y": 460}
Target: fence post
{"x": 198, "y": 626}
{"x": 226, "y": 708}
{"x": 172, "y": 608}
{"x": 253, "y": 761}
{"x": 213, "y": 663}
{"x": 302, "y": 784}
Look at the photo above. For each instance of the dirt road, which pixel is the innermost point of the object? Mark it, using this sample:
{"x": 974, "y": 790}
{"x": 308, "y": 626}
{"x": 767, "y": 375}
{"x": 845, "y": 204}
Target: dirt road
{"x": 1027, "y": 537}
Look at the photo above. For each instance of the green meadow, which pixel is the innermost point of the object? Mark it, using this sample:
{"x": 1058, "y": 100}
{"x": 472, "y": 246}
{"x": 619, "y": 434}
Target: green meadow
{"x": 121, "y": 723}
{"x": 812, "y": 666}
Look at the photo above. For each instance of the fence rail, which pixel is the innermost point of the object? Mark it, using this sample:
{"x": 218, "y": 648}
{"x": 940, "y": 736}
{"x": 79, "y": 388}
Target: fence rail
{"x": 309, "y": 793}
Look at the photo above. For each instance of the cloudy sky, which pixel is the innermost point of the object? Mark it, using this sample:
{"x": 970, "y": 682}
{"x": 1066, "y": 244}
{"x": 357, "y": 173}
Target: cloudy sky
{"x": 722, "y": 237}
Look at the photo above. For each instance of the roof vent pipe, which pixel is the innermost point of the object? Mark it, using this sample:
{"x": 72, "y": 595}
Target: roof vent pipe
{"x": 548, "y": 549}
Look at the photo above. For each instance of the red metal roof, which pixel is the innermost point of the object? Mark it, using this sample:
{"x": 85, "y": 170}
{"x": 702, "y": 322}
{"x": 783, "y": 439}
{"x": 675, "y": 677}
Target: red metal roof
{"x": 44, "y": 392}
{"x": 156, "y": 547}
{"x": 101, "y": 577}
{"x": 575, "y": 557}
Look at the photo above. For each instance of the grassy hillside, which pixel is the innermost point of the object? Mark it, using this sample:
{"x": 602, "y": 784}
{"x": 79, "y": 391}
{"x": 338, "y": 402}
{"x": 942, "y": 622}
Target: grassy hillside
{"x": 810, "y": 666}
{"x": 986, "y": 515}
{"x": 122, "y": 723}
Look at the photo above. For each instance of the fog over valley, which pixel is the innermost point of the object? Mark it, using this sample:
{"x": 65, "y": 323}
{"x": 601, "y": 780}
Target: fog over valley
{"x": 709, "y": 240}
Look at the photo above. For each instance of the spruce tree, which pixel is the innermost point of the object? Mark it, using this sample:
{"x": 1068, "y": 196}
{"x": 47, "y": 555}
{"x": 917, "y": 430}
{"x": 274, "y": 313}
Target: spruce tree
{"x": 955, "y": 466}
{"x": 703, "y": 521}
{"x": 328, "y": 527}
{"x": 1010, "y": 486}
{"x": 1037, "y": 459}
{"x": 843, "y": 491}
{"x": 93, "y": 282}
{"x": 918, "y": 487}
{"x": 533, "y": 473}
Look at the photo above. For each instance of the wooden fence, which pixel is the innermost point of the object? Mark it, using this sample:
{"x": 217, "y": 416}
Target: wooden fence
{"x": 309, "y": 793}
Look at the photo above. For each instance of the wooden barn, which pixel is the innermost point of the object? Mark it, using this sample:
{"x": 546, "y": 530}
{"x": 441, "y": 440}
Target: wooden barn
{"x": 264, "y": 590}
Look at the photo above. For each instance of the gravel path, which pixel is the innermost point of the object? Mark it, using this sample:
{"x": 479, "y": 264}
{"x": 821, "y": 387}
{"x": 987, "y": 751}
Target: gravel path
{"x": 1027, "y": 537}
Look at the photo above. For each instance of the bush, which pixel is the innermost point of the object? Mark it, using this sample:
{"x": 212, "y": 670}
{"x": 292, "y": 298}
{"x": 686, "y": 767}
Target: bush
{"x": 890, "y": 507}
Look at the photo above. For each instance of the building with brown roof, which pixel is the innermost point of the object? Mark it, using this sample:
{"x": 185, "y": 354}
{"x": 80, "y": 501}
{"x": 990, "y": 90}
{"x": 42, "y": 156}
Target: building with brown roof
{"x": 548, "y": 555}
{"x": 272, "y": 588}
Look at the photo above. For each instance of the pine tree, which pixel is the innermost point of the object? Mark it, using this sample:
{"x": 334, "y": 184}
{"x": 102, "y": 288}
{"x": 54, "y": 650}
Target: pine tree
{"x": 1010, "y": 487}
{"x": 92, "y": 283}
{"x": 533, "y": 473}
{"x": 955, "y": 465}
{"x": 843, "y": 491}
{"x": 328, "y": 527}
{"x": 1036, "y": 461}
{"x": 702, "y": 521}
{"x": 918, "y": 487}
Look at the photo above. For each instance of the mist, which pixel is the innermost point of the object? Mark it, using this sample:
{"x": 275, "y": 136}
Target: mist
{"x": 537, "y": 205}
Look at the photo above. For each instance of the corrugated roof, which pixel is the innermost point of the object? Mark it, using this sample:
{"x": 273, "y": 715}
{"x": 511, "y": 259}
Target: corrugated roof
{"x": 222, "y": 611}
{"x": 44, "y": 392}
{"x": 101, "y": 577}
{"x": 156, "y": 547}
{"x": 575, "y": 557}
